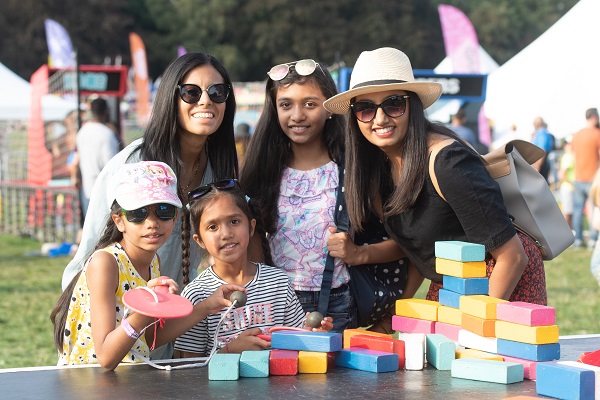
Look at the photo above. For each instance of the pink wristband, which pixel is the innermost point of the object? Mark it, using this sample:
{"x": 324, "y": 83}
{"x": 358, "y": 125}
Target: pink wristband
{"x": 129, "y": 330}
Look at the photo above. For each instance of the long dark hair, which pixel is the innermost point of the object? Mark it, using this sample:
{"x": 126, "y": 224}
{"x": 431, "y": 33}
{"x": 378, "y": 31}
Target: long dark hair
{"x": 247, "y": 206}
{"x": 161, "y": 138}
{"x": 58, "y": 316}
{"x": 269, "y": 150}
{"x": 368, "y": 170}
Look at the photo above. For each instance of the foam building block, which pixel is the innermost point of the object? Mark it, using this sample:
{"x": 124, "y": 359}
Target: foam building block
{"x": 472, "y": 353}
{"x": 254, "y": 364}
{"x": 459, "y": 251}
{"x": 480, "y": 326}
{"x": 414, "y": 347}
{"x": 591, "y": 368}
{"x": 367, "y": 360}
{"x": 283, "y": 362}
{"x": 307, "y": 341}
{"x": 412, "y": 325}
{"x": 439, "y": 351}
{"x": 487, "y": 370}
{"x": 448, "y": 330}
{"x": 312, "y": 362}
{"x": 533, "y": 352}
{"x": 524, "y": 313}
{"x": 449, "y": 315}
{"x": 480, "y": 306}
{"x": 459, "y": 269}
{"x": 529, "y": 367}
{"x": 349, "y": 333}
{"x": 472, "y": 340}
{"x": 590, "y": 358}
{"x": 527, "y": 334}
{"x": 417, "y": 308}
{"x": 466, "y": 286}
{"x": 387, "y": 345}
{"x": 224, "y": 367}
{"x": 449, "y": 299}
{"x": 565, "y": 382}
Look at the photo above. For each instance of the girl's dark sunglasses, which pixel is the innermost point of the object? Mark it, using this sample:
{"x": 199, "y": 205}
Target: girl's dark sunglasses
{"x": 200, "y": 191}
{"x": 191, "y": 93}
{"x": 393, "y": 107}
{"x": 163, "y": 211}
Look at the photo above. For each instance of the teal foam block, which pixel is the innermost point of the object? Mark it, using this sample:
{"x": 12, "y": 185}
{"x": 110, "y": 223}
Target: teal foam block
{"x": 367, "y": 360}
{"x": 254, "y": 364}
{"x": 487, "y": 370}
{"x": 533, "y": 352}
{"x": 306, "y": 340}
{"x": 565, "y": 382}
{"x": 466, "y": 286}
{"x": 440, "y": 351}
{"x": 224, "y": 367}
{"x": 448, "y": 298}
{"x": 460, "y": 251}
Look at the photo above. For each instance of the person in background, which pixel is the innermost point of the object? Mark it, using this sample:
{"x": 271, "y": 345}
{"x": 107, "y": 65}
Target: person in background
{"x": 242, "y": 137}
{"x": 566, "y": 176}
{"x": 458, "y": 125}
{"x": 586, "y": 151}
{"x": 544, "y": 140}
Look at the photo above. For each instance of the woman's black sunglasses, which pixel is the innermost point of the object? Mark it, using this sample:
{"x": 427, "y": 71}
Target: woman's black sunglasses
{"x": 163, "y": 211}
{"x": 191, "y": 93}
{"x": 393, "y": 107}
{"x": 200, "y": 191}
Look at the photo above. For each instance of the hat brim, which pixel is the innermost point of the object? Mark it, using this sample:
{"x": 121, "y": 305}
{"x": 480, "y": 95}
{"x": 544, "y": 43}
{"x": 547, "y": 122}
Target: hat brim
{"x": 428, "y": 92}
{"x": 134, "y": 204}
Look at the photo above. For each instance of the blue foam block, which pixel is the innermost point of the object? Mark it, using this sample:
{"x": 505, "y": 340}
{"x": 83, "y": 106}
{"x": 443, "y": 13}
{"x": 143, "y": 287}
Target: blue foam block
{"x": 466, "y": 286}
{"x": 487, "y": 370}
{"x": 440, "y": 351}
{"x": 254, "y": 364}
{"x": 224, "y": 367}
{"x": 448, "y": 298}
{"x": 367, "y": 360}
{"x": 532, "y": 352}
{"x": 460, "y": 251}
{"x": 306, "y": 340}
{"x": 565, "y": 382}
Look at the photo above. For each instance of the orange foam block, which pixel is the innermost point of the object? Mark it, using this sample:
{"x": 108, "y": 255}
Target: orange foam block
{"x": 313, "y": 362}
{"x": 524, "y": 313}
{"x": 460, "y": 269}
{"x": 448, "y": 330}
{"x": 480, "y": 306}
{"x": 412, "y": 325}
{"x": 526, "y": 334}
{"x": 348, "y": 333}
{"x": 417, "y": 308}
{"x": 480, "y": 326}
{"x": 387, "y": 345}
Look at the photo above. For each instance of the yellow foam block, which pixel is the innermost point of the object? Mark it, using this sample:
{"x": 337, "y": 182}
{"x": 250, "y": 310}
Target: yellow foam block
{"x": 480, "y": 326}
{"x": 417, "y": 308}
{"x": 460, "y": 269}
{"x": 479, "y": 305}
{"x": 312, "y": 362}
{"x": 527, "y": 334}
{"x": 472, "y": 353}
{"x": 449, "y": 315}
{"x": 348, "y": 333}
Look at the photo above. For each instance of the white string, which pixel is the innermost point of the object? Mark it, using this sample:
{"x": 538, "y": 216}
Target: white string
{"x": 205, "y": 361}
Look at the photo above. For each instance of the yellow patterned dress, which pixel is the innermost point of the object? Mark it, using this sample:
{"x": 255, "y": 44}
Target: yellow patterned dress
{"x": 78, "y": 345}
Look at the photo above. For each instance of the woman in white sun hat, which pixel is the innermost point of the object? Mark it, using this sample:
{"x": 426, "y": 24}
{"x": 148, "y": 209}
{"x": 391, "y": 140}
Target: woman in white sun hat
{"x": 388, "y": 145}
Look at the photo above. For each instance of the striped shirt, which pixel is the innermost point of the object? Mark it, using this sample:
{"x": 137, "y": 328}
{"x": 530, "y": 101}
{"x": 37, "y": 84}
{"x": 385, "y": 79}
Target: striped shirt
{"x": 271, "y": 302}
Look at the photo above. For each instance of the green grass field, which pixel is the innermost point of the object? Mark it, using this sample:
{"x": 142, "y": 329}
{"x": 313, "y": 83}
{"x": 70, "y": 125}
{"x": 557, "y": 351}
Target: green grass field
{"x": 30, "y": 285}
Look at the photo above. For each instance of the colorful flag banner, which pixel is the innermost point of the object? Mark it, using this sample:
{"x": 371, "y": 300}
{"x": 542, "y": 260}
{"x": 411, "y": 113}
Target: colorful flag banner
{"x": 60, "y": 48}
{"x": 140, "y": 78}
{"x": 460, "y": 39}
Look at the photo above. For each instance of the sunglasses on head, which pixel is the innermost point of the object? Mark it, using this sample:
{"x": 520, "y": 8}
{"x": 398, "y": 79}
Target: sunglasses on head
{"x": 303, "y": 67}
{"x": 200, "y": 191}
{"x": 163, "y": 211}
{"x": 191, "y": 93}
{"x": 393, "y": 107}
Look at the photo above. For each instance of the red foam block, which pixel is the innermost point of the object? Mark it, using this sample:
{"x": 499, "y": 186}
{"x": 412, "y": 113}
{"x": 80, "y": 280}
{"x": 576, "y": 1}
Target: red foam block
{"x": 590, "y": 358}
{"x": 283, "y": 362}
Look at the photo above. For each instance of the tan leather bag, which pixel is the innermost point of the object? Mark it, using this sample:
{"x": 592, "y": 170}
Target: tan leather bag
{"x": 526, "y": 194}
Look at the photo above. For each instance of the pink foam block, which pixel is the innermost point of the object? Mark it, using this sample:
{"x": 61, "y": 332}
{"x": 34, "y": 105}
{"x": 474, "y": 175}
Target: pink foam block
{"x": 524, "y": 313}
{"x": 412, "y": 325}
{"x": 450, "y": 331}
{"x": 528, "y": 366}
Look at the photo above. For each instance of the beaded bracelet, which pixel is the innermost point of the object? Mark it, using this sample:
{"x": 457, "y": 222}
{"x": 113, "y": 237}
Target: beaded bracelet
{"x": 129, "y": 330}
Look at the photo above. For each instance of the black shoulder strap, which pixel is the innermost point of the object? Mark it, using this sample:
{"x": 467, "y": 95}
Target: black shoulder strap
{"x": 342, "y": 222}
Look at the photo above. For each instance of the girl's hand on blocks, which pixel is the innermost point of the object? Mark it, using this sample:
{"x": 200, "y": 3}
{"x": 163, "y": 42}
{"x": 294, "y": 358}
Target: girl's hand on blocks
{"x": 164, "y": 281}
{"x": 248, "y": 340}
{"x": 220, "y": 297}
{"x": 340, "y": 245}
{"x": 326, "y": 324}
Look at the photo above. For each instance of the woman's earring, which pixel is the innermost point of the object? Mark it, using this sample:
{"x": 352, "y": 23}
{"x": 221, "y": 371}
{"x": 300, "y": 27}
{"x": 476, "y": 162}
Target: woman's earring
{"x": 331, "y": 116}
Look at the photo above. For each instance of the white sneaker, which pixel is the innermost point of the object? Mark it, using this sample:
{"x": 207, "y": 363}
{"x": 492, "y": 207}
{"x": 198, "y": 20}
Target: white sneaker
{"x": 591, "y": 244}
{"x": 577, "y": 244}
